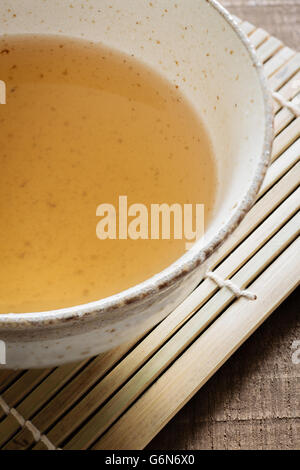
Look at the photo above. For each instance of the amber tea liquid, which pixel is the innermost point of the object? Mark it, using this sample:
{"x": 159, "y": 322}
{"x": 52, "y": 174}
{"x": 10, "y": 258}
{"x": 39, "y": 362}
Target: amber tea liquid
{"x": 82, "y": 125}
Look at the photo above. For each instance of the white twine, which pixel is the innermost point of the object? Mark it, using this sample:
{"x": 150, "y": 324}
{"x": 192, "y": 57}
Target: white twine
{"x": 37, "y": 435}
{"x": 285, "y": 103}
{"x": 231, "y": 286}
{"x": 227, "y": 283}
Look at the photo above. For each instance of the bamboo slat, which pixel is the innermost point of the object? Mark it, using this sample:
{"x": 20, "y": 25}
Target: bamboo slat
{"x": 62, "y": 401}
{"x": 248, "y": 28}
{"x": 121, "y": 399}
{"x": 154, "y": 340}
{"x": 179, "y": 342}
{"x": 279, "y": 168}
{"x": 286, "y": 138}
{"x": 285, "y": 116}
{"x": 289, "y": 90}
{"x": 33, "y": 402}
{"x": 7, "y": 378}
{"x": 268, "y": 49}
{"x": 258, "y": 37}
{"x": 279, "y": 60}
{"x": 24, "y": 385}
{"x": 164, "y": 331}
{"x": 285, "y": 73}
{"x": 174, "y": 388}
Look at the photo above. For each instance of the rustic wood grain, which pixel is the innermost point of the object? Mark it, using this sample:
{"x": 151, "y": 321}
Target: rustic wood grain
{"x": 253, "y": 401}
{"x": 280, "y": 18}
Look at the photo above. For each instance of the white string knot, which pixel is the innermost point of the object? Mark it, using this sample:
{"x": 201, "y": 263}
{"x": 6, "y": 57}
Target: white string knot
{"x": 37, "y": 435}
{"x": 231, "y": 286}
{"x": 287, "y": 104}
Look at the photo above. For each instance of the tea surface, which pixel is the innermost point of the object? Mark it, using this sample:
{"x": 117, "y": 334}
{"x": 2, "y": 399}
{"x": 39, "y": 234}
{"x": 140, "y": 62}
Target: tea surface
{"x": 83, "y": 125}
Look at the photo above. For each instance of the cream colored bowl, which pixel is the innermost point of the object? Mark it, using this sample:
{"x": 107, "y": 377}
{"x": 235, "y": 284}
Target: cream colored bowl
{"x": 216, "y": 60}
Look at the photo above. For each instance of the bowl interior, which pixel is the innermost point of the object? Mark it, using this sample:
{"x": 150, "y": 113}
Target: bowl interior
{"x": 189, "y": 43}
{"x": 192, "y": 45}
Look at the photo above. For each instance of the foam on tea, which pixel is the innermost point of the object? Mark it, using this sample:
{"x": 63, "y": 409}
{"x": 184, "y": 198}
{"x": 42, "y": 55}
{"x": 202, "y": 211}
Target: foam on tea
{"x": 83, "y": 125}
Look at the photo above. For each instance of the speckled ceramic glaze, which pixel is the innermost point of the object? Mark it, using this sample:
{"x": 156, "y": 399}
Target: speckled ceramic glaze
{"x": 197, "y": 45}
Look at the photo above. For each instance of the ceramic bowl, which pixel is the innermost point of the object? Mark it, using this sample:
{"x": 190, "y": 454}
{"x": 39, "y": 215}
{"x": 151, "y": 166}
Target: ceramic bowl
{"x": 220, "y": 74}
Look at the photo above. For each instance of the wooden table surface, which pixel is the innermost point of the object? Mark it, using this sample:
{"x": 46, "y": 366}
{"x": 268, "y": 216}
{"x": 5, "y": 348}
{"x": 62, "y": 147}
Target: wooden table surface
{"x": 253, "y": 401}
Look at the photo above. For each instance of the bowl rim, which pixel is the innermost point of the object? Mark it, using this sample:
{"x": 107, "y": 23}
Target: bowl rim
{"x": 187, "y": 263}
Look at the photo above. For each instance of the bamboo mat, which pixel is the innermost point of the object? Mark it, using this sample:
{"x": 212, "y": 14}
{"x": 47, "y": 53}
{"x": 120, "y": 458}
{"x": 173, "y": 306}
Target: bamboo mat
{"x": 122, "y": 399}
